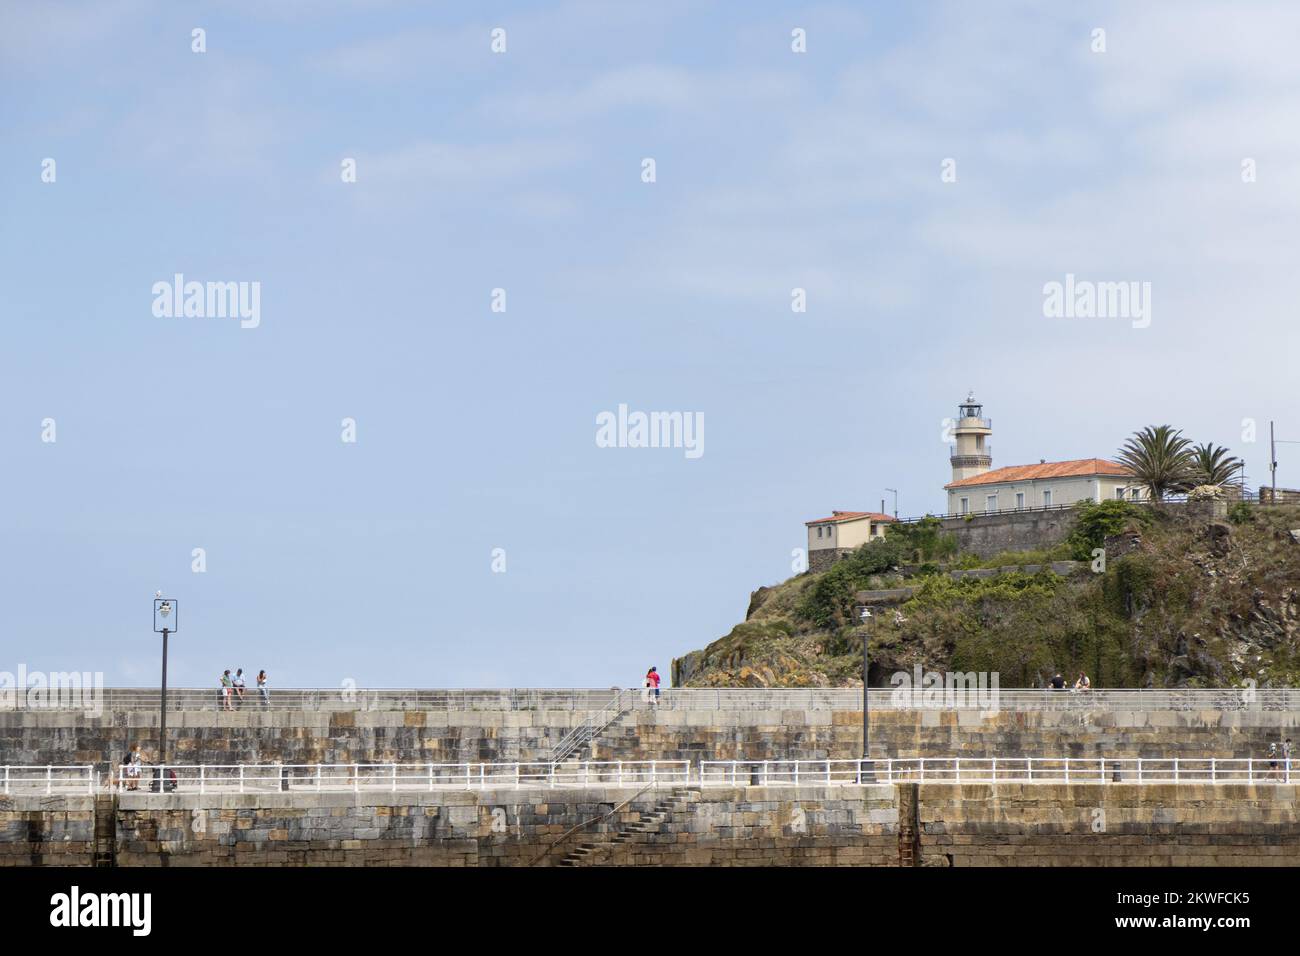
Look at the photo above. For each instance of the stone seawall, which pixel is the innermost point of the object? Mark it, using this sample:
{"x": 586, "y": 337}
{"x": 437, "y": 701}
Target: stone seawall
{"x": 35, "y": 737}
{"x": 890, "y": 825}
{"x": 295, "y": 737}
{"x": 1108, "y": 825}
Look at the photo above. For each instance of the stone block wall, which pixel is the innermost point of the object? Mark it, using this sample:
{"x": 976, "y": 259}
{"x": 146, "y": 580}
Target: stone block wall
{"x": 35, "y": 737}
{"x": 294, "y": 737}
{"x": 1108, "y": 825}
{"x": 770, "y": 826}
{"x": 839, "y": 825}
{"x": 47, "y": 831}
{"x": 826, "y": 734}
{"x": 988, "y": 535}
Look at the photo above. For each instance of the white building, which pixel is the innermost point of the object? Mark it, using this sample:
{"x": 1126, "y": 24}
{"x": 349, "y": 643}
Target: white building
{"x": 833, "y": 537}
{"x": 977, "y": 487}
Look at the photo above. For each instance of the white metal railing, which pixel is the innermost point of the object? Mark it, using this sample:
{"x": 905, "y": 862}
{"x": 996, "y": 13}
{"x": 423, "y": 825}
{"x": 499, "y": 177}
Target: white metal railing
{"x": 393, "y": 777}
{"x": 987, "y": 770}
{"x": 48, "y": 779}
{"x": 592, "y": 703}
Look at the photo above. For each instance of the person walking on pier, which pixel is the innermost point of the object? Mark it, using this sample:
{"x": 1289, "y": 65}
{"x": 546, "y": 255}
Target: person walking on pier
{"x": 1286, "y": 758}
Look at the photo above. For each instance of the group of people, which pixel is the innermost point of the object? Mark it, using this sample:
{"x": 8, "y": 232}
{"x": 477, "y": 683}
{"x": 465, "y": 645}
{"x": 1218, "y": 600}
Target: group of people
{"x": 232, "y": 689}
{"x": 1283, "y": 752}
{"x": 1058, "y": 682}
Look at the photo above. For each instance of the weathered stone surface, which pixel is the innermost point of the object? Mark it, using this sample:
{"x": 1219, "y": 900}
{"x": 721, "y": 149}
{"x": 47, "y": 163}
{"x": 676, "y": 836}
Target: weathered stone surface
{"x": 837, "y": 825}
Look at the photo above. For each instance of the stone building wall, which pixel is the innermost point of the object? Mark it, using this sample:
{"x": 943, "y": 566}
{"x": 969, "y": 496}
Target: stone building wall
{"x": 821, "y": 559}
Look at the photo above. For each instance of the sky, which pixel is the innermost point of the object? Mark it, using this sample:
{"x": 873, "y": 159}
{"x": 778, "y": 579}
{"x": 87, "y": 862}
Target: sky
{"x": 920, "y": 171}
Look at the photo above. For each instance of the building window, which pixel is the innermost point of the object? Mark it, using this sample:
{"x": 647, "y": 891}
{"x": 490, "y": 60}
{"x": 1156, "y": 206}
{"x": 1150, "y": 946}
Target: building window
{"x": 991, "y": 503}
{"x": 965, "y": 505}
{"x": 1020, "y": 501}
{"x": 1119, "y": 494}
{"x": 1134, "y": 494}
{"x": 819, "y": 531}
{"x": 1047, "y": 499}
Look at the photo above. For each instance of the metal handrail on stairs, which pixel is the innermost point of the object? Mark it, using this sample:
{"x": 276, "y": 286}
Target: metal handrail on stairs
{"x": 582, "y": 826}
{"x": 590, "y": 727}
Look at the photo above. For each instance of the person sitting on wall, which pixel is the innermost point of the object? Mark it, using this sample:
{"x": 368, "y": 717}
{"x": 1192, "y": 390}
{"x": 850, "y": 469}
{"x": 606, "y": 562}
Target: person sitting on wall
{"x": 1083, "y": 683}
{"x": 1057, "y": 682}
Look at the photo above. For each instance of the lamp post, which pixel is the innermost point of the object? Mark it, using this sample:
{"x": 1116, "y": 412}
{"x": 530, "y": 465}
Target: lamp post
{"x": 866, "y": 613}
{"x": 164, "y": 612}
{"x": 895, "y": 491}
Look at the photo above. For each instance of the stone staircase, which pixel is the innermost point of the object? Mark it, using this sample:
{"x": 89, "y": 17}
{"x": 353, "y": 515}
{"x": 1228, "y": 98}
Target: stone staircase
{"x": 650, "y": 821}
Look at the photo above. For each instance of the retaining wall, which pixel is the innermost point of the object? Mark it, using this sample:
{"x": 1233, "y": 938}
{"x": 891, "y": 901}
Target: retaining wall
{"x": 42, "y": 737}
{"x": 943, "y": 824}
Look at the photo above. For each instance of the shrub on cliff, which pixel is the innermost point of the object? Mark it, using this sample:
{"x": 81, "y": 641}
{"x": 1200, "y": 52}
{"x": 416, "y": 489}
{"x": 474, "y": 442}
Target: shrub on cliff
{"x": 924, "y": 540}
{"x": 1094, "y": 523}
{"x": 829, "y": 602}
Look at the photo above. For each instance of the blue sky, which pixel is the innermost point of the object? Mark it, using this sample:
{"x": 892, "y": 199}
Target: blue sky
{"x": 372, "y": 561}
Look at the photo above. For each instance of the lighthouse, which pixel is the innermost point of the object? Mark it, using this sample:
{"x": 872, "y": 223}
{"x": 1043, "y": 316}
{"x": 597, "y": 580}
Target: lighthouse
{"x": 972, "y": 454}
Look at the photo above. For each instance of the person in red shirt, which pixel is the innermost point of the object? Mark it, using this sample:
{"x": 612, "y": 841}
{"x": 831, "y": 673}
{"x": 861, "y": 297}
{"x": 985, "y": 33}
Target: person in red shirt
{"x": 652, "y": 681}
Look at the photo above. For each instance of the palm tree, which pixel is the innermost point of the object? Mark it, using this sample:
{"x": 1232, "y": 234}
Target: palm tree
{"x": 1160, "y": 458}
{"x": 1214, "y": 466}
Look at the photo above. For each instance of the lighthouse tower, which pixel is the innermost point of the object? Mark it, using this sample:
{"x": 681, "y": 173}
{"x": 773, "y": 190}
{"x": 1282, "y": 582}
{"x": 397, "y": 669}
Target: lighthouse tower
{"x": 971, "y": 455}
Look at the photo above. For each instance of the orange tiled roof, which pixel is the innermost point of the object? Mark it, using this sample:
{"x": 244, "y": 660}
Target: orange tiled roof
{"x": 1079, "y": 468}
{"x": 838, "y": 516}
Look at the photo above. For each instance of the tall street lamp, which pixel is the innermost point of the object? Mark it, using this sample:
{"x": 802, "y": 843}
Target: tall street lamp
{"x": 165, "y": 622}
{"x": 866, "y": 613}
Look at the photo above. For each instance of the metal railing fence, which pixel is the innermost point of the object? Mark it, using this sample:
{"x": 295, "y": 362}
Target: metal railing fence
{"x": 393, "y": 777}
{"x": 48, "y": 779}
{"x": 993, "y": 770}
{"x": 406, "y": 777}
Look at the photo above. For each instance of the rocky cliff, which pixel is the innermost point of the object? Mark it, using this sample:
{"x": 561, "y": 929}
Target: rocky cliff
{"x": 1177, "y": 599}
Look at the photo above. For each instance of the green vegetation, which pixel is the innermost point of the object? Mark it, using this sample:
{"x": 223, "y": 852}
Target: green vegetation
{"x": 1167, "y": 463}
{"x": 1241, "y": 513}
{"x": 923, "y": 540}
{"x": 1160, "y": 458}
{"x": 1214, "y": 466}
{"x": 1193, "y": 602}
{"x": 829, "y": 601}
{"x": 1094, "y": 523}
